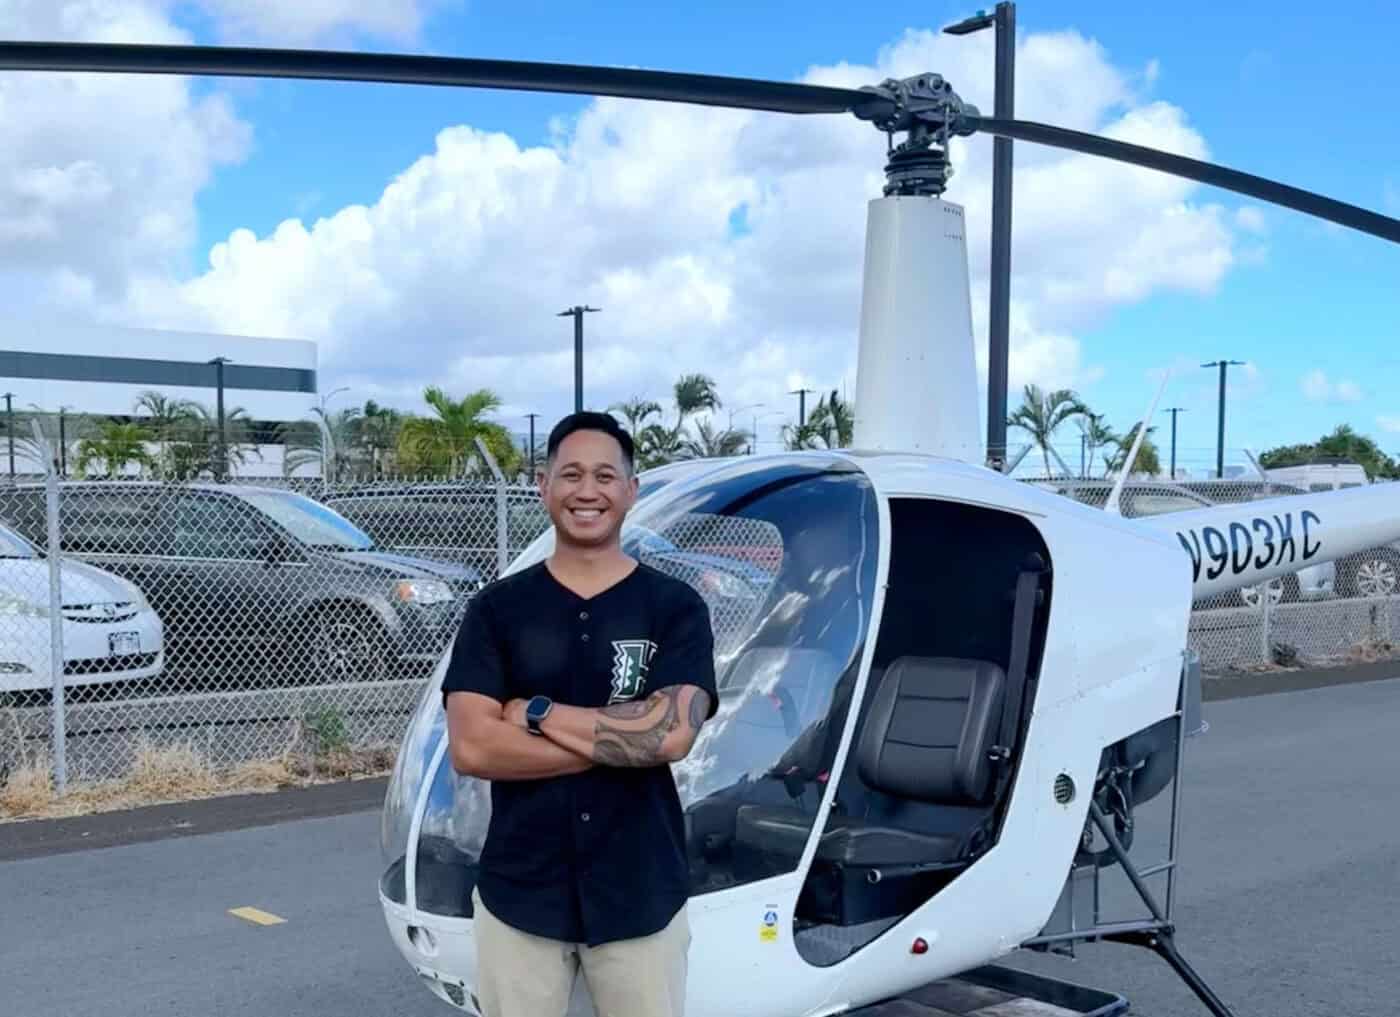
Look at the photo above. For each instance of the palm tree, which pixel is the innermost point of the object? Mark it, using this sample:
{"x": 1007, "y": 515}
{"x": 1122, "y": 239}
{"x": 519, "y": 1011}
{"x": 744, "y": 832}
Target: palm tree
{"x": 635, "y": 411}
{"x": 712, "y": 443}
{"x": 117, "y": 446}
{"x": 657, "y": 443}
{"x": 165, "y": 416}
{"x": 306, "y": 441}
{"x": 830, "y": 425}
{"x": 1147, "y": 460}
{"x": 1041, "y": 414}
{"x": 379, "y": 433}
{"x": 1096, "y": 435}
{"x": 446, "y": 443}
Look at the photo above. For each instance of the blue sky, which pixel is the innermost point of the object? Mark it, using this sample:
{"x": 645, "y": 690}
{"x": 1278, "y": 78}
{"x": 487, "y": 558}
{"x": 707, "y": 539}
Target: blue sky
{"x": 1302, "y": 93}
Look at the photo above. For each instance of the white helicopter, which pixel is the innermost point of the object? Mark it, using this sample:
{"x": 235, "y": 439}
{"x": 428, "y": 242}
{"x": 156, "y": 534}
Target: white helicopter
{"x": 944, "y": 693}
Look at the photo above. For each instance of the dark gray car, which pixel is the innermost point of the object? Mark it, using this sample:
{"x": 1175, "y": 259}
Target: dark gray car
{"x": 263, "y": 586}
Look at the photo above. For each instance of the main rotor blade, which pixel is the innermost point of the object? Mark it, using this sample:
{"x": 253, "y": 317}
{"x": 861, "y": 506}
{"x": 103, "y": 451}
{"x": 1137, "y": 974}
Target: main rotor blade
{"x": 392, "y": 68}
{"x": 1207, "y": 173}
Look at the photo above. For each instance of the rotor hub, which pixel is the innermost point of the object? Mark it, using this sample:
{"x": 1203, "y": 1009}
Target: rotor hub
{"x": 932, "y": 113}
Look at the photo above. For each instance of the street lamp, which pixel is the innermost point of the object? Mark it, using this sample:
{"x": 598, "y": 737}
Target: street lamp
{"x": 532, "y": 417}
{"x": 801, "y": 394}
{"x": 1174, "y": 410}
{"x": 10, "y": 429}
{"x": 741, "y": 409}
{"x": 577, "y": 313}
{"x": 221, "y": 473}
{"x": 1003, "y": 18}
{"x": 1220, "y": 436}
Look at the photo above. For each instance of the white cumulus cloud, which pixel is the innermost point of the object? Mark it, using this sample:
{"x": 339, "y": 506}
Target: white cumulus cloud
{"x": 1317, "y": 387}
{"x": 454, "y": 274}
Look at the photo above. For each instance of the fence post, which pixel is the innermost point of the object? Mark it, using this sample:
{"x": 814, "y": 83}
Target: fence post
{"x": 60, "y": 746}
{"x": 502, "y": 550}
{"x": 1266, "y": 604}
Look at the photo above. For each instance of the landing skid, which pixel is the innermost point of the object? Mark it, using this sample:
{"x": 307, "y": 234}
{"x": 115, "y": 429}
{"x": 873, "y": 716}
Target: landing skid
{"x": 1159, "y": 932}
{"x": 1004, "y": 991}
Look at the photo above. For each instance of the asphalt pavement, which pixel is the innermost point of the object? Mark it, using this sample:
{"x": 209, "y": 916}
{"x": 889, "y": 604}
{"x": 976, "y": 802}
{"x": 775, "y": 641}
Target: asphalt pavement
{"x": 1288, "y": 905}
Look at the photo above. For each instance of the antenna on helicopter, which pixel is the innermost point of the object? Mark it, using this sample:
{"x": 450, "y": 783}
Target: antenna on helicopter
{"x": 1111, "y": 506}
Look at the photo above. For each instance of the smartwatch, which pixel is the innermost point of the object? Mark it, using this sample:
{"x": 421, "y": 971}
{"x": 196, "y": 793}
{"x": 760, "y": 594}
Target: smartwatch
{"x": 536, "y": 711}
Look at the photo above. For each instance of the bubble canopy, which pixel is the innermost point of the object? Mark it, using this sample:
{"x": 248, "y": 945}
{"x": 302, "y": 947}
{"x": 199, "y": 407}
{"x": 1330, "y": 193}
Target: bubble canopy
{"x": 784, "y": 552}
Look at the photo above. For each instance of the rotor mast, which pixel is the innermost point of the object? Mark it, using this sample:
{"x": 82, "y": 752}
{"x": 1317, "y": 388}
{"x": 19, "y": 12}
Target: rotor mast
{"x": 916, "y": 376}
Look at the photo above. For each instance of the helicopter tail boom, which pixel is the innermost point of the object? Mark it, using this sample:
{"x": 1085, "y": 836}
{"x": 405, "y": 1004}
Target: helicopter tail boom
{"x": 1242, "y": 545}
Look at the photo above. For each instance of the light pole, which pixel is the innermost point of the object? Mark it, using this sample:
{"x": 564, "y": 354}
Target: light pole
{"x": 532, "y": 417}
{"x": 741, "y": 409}
{"x": 577, "y": 313}
{"x": 1174, "y": 410}
{"x": 1003, "y": 18}
{"x": 1220, "y": 434}
{"x": 62, "y": 441}
{"x": 10, "y": 429}
{"x": 221, "y": 472}
{"x": 801, "y": 394}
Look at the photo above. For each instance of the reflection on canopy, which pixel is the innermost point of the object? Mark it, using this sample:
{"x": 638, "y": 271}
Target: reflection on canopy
{"x": 784, "y": 553}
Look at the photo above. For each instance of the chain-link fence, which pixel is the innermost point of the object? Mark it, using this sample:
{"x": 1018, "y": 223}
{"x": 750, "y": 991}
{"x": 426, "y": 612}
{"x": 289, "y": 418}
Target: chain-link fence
{"x": 285, "y": 628}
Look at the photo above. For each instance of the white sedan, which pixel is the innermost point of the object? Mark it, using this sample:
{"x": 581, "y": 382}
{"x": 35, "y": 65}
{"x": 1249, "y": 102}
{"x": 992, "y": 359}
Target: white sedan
{"x": 110, "y": 632}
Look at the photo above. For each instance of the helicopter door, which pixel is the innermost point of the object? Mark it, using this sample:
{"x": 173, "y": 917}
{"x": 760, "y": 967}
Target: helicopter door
{"x": 935, "y": 746}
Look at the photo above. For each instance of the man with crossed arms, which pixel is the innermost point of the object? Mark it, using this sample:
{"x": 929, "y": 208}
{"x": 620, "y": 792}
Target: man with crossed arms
{"x": 573, "y": 685}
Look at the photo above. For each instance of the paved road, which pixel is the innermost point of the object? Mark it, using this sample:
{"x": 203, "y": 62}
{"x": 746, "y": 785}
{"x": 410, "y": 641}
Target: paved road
{"x": 1290, "y": 903}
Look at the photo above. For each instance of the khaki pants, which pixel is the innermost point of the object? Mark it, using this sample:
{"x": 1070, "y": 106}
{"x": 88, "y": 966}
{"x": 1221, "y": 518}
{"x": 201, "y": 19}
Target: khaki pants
{"x": 520, "y": 975}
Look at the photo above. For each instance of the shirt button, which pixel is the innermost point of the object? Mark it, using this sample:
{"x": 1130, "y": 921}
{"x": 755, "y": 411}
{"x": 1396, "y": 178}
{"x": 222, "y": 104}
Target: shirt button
{"x": 583, "y": 615}
{"x": 584, "y": 817}
{"x": 585, "y": 637}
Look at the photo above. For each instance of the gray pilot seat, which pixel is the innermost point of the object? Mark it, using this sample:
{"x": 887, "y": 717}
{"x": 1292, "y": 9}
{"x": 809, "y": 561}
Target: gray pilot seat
{"x": 926, "y": 758}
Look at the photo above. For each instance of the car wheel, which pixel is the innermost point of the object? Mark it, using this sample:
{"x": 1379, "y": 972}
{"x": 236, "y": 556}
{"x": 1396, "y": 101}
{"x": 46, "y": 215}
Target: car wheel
{"x": 1372, "y": 575}
{"x": 347, "y": 645}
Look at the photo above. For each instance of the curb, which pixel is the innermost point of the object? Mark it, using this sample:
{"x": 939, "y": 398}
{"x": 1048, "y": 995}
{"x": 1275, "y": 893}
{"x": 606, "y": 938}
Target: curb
{"x": 40, "y": 837}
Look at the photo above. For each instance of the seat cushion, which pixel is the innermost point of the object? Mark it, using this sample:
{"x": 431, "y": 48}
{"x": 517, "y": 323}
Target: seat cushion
{"x": 848, "y": 840}
{"x": 855, "y": 844}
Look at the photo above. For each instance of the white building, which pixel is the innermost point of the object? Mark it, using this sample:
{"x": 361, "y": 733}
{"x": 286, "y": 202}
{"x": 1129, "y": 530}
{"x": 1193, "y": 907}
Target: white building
{"x": 96, "y": 370}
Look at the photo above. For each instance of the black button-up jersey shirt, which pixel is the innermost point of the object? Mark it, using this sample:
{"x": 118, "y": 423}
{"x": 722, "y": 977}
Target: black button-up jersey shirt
{"x": 596, "y": 856}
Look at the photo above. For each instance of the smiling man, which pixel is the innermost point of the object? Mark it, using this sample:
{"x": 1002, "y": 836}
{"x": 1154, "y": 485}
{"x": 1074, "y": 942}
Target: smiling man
{"x": 573, "y": 685}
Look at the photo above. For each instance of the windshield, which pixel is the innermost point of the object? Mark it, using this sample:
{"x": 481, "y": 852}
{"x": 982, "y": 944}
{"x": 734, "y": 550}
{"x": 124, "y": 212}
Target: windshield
{"x": 784, "y": 553}
{"x": 12, "y": 545}
{"x": 309, "y": 521}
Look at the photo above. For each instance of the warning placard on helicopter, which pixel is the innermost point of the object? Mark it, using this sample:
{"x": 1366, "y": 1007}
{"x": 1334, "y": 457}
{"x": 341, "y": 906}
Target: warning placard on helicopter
{"x": 768, "y": 930}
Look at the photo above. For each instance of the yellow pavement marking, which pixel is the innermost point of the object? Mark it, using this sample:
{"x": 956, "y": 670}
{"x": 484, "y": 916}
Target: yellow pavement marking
{"x": 256, "y": 917}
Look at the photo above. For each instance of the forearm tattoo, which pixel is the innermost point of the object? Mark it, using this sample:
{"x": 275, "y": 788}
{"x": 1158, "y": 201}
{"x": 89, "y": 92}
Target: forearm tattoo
{"x": 641, "y": 746}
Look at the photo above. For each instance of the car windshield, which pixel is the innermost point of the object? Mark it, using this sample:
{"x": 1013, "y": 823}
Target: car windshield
{"x": 310, "y": 522}
{"x": 12, "y": 545}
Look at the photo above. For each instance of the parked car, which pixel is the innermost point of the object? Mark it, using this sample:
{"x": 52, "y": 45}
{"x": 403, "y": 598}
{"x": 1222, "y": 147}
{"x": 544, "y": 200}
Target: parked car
{"x": 1145, "y": 498}
{"x": 110, "y": 632}
{"x": 238, "y": 571}
{"x": 458, "y": 522}
{"x": 444, "y": 522}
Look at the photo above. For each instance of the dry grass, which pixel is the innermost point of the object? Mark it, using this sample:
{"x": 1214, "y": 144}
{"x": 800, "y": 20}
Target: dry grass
{"x": 177, "y": 773}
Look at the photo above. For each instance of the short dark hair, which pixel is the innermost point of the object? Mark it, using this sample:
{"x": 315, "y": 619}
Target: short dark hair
{"x": 590, "y": 420}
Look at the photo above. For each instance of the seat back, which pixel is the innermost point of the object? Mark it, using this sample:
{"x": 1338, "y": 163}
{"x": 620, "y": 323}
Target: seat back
{"x": 931, "y": 729}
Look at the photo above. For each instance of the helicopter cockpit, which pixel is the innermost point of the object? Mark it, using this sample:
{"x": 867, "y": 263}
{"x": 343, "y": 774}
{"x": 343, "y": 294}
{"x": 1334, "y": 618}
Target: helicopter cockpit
{"x": 788, "y": 552}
